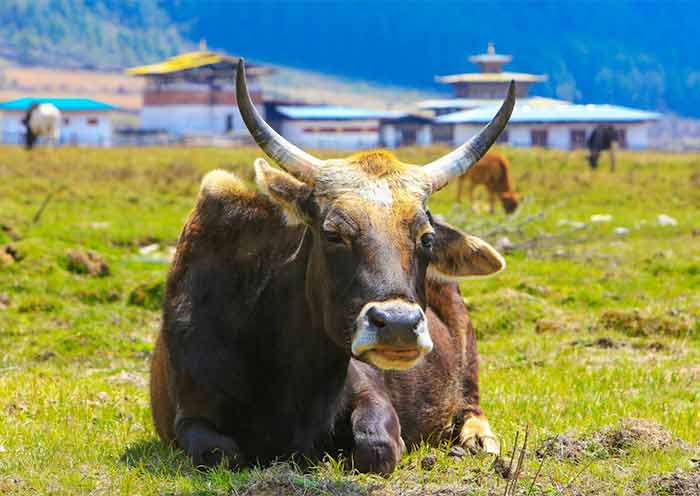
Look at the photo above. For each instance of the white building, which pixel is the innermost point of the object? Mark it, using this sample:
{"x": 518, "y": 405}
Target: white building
{"x": 193, "y": 94}
{"x": 563, "y": 126}
{"x": 330, "y": 126}
{"x": 536, "y": 121}
{"x": 83, "y": 121}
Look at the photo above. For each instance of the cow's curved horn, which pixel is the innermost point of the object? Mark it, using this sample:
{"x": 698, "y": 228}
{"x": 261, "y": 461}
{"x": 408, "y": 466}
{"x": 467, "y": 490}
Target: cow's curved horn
{"x": 292, "y": 159}
{"x": 458, "y": 161}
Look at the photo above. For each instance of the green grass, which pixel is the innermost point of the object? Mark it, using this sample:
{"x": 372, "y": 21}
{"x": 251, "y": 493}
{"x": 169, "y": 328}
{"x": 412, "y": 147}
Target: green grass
{"x": 74, "y": 415}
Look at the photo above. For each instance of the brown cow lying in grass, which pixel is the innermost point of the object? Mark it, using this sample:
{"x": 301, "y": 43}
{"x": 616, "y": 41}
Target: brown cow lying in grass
{"x": 321, "y": 313}
{"x": 493, "y": 171}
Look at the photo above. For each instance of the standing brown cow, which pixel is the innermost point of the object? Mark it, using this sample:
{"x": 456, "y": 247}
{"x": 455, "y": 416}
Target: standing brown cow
{"x": 493, "y": 171}
{"x": 321, "y": 313}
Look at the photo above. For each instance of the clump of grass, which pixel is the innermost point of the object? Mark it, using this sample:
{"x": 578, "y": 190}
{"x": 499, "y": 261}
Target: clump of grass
{"x": 640, "y": 323}
{"x": 148, "y": 295}
{"x": 86, "y": 262}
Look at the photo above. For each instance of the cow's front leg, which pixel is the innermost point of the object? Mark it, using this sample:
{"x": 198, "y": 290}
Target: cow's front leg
{"x": 476, "y": 434}
{"x": 378, "y": 446}
{"x": 206, "y": 446}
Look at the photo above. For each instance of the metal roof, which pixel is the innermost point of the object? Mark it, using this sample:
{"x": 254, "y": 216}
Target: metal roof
{"x": 524, "y": 113}
{"x": 63, "y": 104}
{"x": 491, "y": 77}
{"x": 192, "y": 60}
{"x": 334, "y": 112}
{"x": 470, "y": 103}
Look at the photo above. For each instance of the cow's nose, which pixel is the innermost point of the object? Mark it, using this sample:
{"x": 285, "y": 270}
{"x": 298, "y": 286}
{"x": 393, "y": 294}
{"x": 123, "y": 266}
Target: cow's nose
{"x": 397, "y": 324}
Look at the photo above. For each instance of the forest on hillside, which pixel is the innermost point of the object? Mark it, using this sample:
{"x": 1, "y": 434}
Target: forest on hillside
{"x": 105, "y": 34}
{"x": 641, "y": 54}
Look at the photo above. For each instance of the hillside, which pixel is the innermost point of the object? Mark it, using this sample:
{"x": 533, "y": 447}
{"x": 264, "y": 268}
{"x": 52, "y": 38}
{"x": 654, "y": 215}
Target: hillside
{"x": 632, "y": 53}
{"x": 87, "y": 33}
{"x": 125, "y": 91}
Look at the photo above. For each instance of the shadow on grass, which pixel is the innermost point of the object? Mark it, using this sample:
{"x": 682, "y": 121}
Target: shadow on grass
{"x": 154, "y": 457}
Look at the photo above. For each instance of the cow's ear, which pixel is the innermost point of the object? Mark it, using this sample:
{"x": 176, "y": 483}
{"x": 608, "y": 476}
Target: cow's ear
{"x": 285, "y": 190}
{"x": 456, "y": 254}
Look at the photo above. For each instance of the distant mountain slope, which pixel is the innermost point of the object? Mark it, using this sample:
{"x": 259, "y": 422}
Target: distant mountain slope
{"x": 87, "y": 33}
{"x": 125, "y": 91}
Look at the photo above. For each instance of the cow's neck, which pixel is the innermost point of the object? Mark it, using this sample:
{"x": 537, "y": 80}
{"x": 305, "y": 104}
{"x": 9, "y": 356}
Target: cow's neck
{"x": 306, "y": 370}
{"x": 302, "y": 339}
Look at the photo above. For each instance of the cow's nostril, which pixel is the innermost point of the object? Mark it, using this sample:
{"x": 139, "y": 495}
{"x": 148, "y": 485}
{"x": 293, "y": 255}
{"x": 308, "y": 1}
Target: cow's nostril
{"x": 376, "y": 317}
{"x": 413, "y": 318}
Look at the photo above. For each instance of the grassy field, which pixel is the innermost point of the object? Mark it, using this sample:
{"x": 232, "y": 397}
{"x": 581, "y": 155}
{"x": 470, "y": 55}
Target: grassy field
{"x": 590, "y": 339}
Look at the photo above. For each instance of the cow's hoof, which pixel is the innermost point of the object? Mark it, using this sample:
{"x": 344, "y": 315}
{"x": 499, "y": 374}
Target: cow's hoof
{"x": 377, "y": 455}
{"x": 216, "y": 450}
{"x": 476, "y": 436}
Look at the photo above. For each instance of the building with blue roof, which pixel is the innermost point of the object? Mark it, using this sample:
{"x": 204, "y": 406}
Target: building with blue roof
{"x": 340, "y": 127}
{"x": 562, "y": 125}
{"x": 536, "y": 121}
{"x": 84, "y": 121}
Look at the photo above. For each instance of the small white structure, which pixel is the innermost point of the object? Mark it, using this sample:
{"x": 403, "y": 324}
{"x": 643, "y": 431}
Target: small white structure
{"x": 563, "y": 126}
{"x": 83, "y": 121}
{"x": 330, "y": 126}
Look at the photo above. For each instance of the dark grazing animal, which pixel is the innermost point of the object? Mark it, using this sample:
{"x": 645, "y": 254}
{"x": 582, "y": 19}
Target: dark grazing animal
{"x": 602, "y": 138}
{"x": 301, "y": 319}
{"x": 41, "y": 119}
{"x": 493, "y": 171}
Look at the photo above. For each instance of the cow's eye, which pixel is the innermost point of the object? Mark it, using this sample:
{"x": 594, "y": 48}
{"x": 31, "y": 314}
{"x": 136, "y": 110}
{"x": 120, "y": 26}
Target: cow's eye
{"x": 333, "y": 237}
{"x": 427, "y": 241}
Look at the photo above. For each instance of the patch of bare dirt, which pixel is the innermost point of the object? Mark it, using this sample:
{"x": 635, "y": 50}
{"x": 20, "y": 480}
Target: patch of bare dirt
{"x": 86, "y": 262}
{"x": 502, "y": 468}
{"x": 4, "y": 301}
{"x": 631, "y": 432}
{"x": 610, "y": 441}
{"x": 638, "y": 323}
{"x": 5, "y": 259}
{"x": 428, "y": 462}
{"x": 605, "y": 343}
{"x": 534, "y": 289}
{"x": 282, "y": 479}
{"x": 10, "y": 254}
{"x": 547, "y": 326}
{"x": 655, "y": 346}
{"x": 562, "y": 447}
{"x": 14, "y": 252}
{"x": 675, "y": 484}
{"x": 45, "y": 355}
{"x": 10, "y": 232}
{"x": 125, "y": 377}
{"x": 149, "y": 296}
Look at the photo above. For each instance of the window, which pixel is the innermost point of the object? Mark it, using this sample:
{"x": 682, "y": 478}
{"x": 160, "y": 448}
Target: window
{"x": 577, "y": 138}
{"x": 92, "y": 121}
{"x": 443, "y": 133}
{"x": 408, "y": 136}
{"x": 66, "y": 121}
{"x": 538, "y": 137}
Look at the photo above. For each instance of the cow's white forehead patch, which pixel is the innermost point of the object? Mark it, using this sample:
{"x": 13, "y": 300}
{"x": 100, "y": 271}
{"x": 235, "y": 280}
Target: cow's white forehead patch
{"x": 378, "y": 192}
